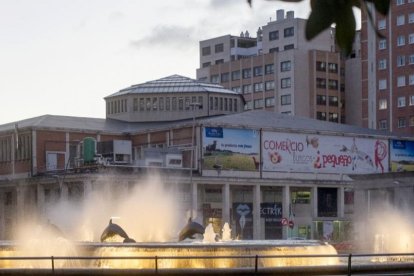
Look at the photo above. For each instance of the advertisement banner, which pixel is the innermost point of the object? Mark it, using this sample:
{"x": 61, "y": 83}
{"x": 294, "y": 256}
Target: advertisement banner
{"x": 402, "y": 155}
{"x": 271, "y": 211}
{"x": 230, "y": 149}
{"x": 326, "y": 154}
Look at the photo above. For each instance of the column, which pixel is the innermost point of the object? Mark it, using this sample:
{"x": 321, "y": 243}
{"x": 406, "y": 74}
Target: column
{"x": 19, "y": 203}
{"x": 64, "y": 192}
{"x": 40, "y": 199}
{"x": 2, "y": 216}
{"x": 341, "y": 202}
{"x": 256, "y": 212}
{"x": 314, "y": 204}
{"x": 194, "y": 199}
{"x": 87, "y": 188}
{"x": 285, "y": 209}
{"x": 226, "y": 203}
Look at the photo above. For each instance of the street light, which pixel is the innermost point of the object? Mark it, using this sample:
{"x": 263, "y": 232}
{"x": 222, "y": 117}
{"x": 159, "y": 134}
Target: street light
{"x": 193, "y": 105}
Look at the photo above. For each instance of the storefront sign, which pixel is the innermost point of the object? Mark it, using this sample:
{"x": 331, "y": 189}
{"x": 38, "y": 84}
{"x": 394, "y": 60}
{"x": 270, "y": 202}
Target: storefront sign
{"x": 402, "y": 155}
{"x": 328, "y": 154}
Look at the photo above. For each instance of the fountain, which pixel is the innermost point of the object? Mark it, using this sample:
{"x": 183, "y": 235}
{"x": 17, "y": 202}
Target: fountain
{"x": 153, "y": 223}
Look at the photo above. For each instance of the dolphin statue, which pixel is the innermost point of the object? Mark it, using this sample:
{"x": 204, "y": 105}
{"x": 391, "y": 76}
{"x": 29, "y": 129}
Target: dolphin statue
{"x": 114, "y": 229}
{"x": 190, "y": 229}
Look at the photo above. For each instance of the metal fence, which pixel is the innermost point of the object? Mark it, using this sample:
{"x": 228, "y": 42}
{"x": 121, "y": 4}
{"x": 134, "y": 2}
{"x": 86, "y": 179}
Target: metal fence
{"x": 350, "y": 264}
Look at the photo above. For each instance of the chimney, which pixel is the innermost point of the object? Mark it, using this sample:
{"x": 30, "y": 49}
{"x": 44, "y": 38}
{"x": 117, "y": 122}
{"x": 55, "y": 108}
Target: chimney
{"x": 290, "y": 15}
{"x": 280, "y": 15}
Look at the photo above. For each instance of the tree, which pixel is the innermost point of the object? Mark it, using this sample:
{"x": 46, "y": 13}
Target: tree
{"x": 324, "y": 13}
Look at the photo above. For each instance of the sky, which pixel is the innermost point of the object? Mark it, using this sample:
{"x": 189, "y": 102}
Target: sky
{"x": 62, "y": 57}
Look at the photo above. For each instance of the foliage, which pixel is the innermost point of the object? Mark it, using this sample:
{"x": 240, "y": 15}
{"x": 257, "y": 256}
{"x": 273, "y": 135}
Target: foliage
{"x": 339, "y": 12}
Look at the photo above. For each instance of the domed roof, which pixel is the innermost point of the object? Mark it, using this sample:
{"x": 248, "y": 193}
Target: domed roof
{"x": 172, "y": 84}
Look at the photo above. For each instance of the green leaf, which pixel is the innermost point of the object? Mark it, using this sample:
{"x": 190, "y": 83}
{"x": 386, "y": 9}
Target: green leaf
{"x": 382, "y": 6}
{"x": 345, "y": 28}
{"x": 320, "y": 19}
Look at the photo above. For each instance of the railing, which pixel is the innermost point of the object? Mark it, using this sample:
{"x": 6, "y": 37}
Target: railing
{"x": 392, "y": 262}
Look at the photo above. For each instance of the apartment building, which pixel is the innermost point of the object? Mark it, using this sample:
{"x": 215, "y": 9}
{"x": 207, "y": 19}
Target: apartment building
{"x": 279, "y": 70}
{"x": 388, "y": 69}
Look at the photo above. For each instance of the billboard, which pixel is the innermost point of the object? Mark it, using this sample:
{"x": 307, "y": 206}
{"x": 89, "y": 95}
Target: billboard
{"x": 231, "y": 149}
{"x": 402, "y": 155}
{"x": 325, "y": 154}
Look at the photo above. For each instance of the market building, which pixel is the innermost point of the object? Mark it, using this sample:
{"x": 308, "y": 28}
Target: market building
{"x": 271, "y": 176}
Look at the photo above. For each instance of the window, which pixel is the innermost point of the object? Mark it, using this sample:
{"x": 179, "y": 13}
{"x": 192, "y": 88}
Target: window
{"x": 285, "y": 100}
{"x": 320, "y": 99}
{"x": 235, "y": 105}
{"x": 333, "y": 84}
{"x": 221, "y": 104}
{"x": 382, "y": 104}
{"x": 167, "y": 103}
{"x": 216, "y": 103}
{"x": 333, "y": 67}
{"x": 287, "y": 32}
{"x": 321, "y": 116}
{"x": 187, "y": 103}
{"x": 235, "y": 75}
{"x": 273, "y": 35}
{"x": 274, "y": 50}
{"x": 411, "y": 18}
{"x": 401, "y": 81}
{"x": 247, "y": 73}
{"x": 289, "y": 47}
{"x": 269, "y": 85}
{"x": 225, "y": 77}
{"x": 258, "y": 103}
{"x": 411, "y": 121}
{"x": 248, "y": 106}
{"x": 174, "y": 104}
{"x": 401, "y": 122}
{"x": 382, "y": 64}
{"x": 231, "y": 104}
{"x": 180, "y": 103}
{"x": 154, "y": 103}
{"x": 401, "y": 101}
{"x": 321, "y": 83}
{"x": 321, "y": 66}
{"x": 333, "y": 117}
{"x": 269, "y": 69}
{"x": 285, "y": 83}
{"x": 269, "y": 102}
{"x": 206, "y": 51}
{"x": 400, "y": 2}
{"x": 148, "y": 103}
{"x": 161, "y": 103}
{"x": 400, "y": 40}
{"x": 135, "y": 105}
{"x": 206, "y": 64}
{"x": 411, "y": 38}
{"x": 400, "y": 61}
{"x": 214, "y": 79}
{"x": 411, "y": 79}
{"x": 219, "y": 61}
{"x": 218, "y": 48}
{"x": 382, "y": 24}
{"x": 412, "y": 100}
{"x": 382, "y": 44}
{"x": 411, "y": 59}
{"x": 247, "y": 88}
{"x": 382, "y": 84}
{"x": 257, "y": 71}
{"x": 333, "y": 101}
{"x": 382, "y": 124}
{"x": 285, "y": 66}
{"x": 258, "y": 87}
{"x": 400, "y": 20}
{"x": 236, "y": 89}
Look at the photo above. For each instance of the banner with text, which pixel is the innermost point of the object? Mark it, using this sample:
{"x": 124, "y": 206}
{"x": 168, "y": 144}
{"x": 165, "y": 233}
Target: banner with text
{"x": 402, "y": 155}
{"x": 327, "y": 154}
{"x": 231, "y": 149}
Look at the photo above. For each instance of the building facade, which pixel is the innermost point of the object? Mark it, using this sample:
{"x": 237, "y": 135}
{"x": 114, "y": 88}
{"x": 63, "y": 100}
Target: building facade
{"x": 388, "y": 68}
{"x": 279, "y": 70}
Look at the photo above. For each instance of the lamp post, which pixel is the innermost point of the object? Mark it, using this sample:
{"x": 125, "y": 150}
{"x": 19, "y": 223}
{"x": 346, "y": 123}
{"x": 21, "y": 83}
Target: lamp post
{"x": 193, "y": 105}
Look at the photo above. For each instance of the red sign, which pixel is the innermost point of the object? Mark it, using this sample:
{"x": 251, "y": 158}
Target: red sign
{"x": 284, "y": 221}
{"x": 291, "y": 224}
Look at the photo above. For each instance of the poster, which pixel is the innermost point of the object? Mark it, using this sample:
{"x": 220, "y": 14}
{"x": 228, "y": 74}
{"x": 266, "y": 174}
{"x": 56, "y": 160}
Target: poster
{"x": 325, "y": 154}
{"x": 231, "y": 149}
{"x": 402, "y": 155}
{"x": 243, "y": 216}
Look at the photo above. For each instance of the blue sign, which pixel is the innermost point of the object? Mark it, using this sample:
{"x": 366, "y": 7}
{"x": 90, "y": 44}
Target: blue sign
{"x": 398, "y": 144}
{"x": 214, "y": 132}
